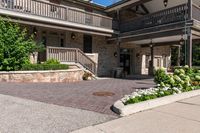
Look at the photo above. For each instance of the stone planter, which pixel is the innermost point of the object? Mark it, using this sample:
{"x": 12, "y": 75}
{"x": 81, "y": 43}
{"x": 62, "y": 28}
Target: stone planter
{"x": 52, "y": 76}
{"x": 125, "y": 110}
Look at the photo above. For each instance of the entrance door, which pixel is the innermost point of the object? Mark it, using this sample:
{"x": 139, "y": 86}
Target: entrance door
{"x": 125, "y": 60}
{"x": 87, "y": 44}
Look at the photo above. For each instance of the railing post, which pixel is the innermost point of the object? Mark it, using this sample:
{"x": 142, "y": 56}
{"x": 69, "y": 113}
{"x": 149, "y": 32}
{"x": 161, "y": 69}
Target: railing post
{"x": 47, "y": 53}
{"x": 66, "y": 13}
{"x": 76, "y": 56}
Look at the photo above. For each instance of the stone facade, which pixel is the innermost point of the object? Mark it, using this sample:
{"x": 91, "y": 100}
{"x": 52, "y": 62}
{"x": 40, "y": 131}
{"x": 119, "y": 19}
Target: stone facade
{"x": 104, "y": 52}
{"x": 64, "y": 76}
{"x": 140, "y": 56}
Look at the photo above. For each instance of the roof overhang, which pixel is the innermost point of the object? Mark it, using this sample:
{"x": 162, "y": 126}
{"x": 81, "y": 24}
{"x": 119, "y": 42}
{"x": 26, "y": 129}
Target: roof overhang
{"x": 125, "y": 4}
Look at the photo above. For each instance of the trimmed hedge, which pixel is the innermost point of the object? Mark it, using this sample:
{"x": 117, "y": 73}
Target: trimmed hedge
{"x": 36, "y": 67}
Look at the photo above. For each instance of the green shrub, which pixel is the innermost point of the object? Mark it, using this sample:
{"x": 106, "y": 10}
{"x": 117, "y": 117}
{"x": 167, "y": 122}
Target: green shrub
{"x": 15, "y": 46}
{"x": 36, "y": 67}
{"x": 160, "y": 76}
{"x": 52, "y": 62}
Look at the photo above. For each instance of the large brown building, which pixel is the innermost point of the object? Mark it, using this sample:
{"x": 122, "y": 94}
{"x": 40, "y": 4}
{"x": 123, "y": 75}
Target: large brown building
{"x": 136, "y": 35}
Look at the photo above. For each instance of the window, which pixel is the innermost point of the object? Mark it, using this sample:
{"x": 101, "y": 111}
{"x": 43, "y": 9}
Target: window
{"x": 147, "y": 61}
{"x": 165, "y": 61}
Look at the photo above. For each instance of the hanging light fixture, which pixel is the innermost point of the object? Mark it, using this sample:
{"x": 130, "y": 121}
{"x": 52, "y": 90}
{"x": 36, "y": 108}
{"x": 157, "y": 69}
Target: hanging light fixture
{"x": 165, "y": 3}
{"x": 182, "y": 41}
{"x": 35, "y": 31}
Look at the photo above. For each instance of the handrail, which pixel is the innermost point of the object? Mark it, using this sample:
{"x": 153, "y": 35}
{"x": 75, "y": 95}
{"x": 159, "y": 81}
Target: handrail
{"x": 55, "y": 11}
{"x": 71, "y": 55}
{"x": 167, "y": 16}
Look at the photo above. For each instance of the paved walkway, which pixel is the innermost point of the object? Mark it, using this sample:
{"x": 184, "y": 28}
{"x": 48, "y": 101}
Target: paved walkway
{"x": 76, "y": 95}
{"x": 179, "y": 117}
{"x": 19, "y": 115}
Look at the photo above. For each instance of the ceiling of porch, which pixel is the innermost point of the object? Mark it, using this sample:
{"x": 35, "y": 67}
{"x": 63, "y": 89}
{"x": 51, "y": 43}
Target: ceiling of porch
{"x": 161, "y": 40}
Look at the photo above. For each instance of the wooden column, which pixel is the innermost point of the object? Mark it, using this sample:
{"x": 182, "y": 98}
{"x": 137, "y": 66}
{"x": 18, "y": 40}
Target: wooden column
{"x": 118, "y": 53}
{"x": 118, "y": 40}
{"x": 179, "y": 56}
{"x": 151, "y": 65}
{"x": 189, "y": 48}
{"x": 190, "y": 9}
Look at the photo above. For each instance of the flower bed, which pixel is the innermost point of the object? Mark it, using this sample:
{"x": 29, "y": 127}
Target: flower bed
{"x": 183, "y": 79}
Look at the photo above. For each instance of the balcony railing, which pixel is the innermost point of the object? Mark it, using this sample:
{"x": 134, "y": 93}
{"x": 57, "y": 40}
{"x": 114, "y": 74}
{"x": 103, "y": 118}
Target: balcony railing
{"x": 54, "y": 11}
{"x": 168, "y": 16}
{"x": 71, "y": 55}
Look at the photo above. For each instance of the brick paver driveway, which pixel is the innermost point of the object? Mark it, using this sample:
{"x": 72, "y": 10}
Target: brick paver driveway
{"x": 77, "y": 95}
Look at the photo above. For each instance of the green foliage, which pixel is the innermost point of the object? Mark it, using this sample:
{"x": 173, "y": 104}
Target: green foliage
{"x": 15, "y": 46}
{"x": 35, "y": 67}
{"x": 52, "y": 62}
{"x": 183, "y": 77}
{"x": 182, "y": 80}
{"x": 160, "y": 76}
{"x": 196, "y": 54}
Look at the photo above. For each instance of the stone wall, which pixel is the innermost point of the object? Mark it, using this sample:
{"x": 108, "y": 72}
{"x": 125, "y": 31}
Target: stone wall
{"x": 139, "y": 55}
{"x": 64, "y": 76}
{"x": 159, "y": 52}
{"x": 105, "y": 52}
{"x": 106, "y": 59}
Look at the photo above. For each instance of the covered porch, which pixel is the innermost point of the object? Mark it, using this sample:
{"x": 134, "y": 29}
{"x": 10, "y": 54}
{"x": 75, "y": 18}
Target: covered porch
{"x": 151, "y": 36}
{"x": 82, "y": 50}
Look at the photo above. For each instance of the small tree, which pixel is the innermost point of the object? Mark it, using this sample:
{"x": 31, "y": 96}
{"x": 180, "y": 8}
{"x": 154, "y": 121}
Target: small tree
{"x": 15, "y": 46}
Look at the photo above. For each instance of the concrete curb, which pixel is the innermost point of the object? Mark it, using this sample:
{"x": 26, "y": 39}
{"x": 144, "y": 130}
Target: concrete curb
{"x": 125, "y": 110}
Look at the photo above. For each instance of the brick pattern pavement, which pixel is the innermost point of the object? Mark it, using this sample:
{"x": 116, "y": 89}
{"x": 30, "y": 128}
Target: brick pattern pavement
{"x": 76, "y": 95}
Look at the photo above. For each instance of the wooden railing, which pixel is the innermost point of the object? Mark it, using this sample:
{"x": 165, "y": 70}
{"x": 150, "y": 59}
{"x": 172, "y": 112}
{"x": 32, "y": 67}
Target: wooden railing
{"x": 54, "y": 11}
{"x": 171, "y": 15}
{"x": 71, "y": 55}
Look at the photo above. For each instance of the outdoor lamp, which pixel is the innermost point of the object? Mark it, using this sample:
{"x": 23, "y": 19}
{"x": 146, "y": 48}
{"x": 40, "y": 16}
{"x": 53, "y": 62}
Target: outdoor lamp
{"x": 165, "y": 3}
{"x": 182, "y": 41}
{"x": 73, "y": 36}
{"x": 35, "y": 31}
{"x": 115, "y": 54}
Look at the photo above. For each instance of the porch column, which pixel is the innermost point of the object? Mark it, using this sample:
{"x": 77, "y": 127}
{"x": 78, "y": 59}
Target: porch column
{"x": 118, "y": 39}
{"x": 188, "y": 51}
{"x": 151, "y": 65}
{"x": 118, "y": 53}
{"x": 189, "y": 48}
{"x": 179, "y": 56}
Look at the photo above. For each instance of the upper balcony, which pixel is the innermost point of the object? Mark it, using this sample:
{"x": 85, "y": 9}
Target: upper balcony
{"x": 177, "y": 17}
{"x": 38, "y": 10}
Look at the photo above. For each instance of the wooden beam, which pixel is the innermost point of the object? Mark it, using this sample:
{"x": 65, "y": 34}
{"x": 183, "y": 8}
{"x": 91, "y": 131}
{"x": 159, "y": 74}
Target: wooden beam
{"x": 144, "y": 8}
{"x": 189, "y": 48}
{"x": 158, "y": 34}
{"x": 137, "y": 13}
{"x": 58, "y": 27}
{"x": 135, "y": 4}
{"x": 172, "y": 43}
{"x": 151, "y": 67}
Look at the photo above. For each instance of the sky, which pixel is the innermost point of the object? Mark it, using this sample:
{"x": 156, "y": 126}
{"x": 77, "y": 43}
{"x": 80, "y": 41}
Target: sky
{"x": 105, "y": 2}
